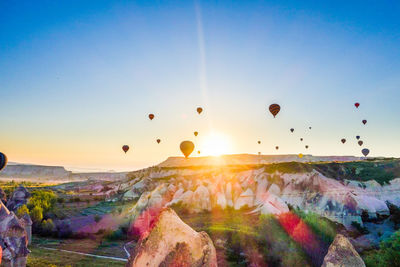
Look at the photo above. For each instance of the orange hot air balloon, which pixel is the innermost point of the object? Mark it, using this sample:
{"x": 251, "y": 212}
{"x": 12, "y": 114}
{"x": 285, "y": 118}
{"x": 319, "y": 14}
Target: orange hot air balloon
{"x": 274, "y": 109}
{"x": 3, "y": 161}
{"x": 360, "y": 143}
{"x": 151, "y": 116}
{"x": 125, "y": 148}
{"x": 187, "y": 148}
{"x": 343, "y": 140}
{"x": 199, "y": 110}
{"x": 198, "y": 152}
{"x": 195, "y": 133}
{"x": 158, "y": 141}
{"x": 364, "y": 122}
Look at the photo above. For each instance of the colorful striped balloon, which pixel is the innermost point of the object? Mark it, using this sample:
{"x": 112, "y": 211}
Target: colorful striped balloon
{"x": 274, "y": 109}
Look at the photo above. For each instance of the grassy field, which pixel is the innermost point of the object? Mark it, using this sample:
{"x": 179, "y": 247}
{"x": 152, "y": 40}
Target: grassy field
{"x": 40, "y": 257}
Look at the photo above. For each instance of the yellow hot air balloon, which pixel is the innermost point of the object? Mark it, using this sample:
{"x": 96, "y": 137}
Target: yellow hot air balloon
{"x": 300, "y": 155}
{"x": 187, "y": 148}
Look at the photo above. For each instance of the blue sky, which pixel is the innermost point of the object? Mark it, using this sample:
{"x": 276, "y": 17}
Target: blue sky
{"x": 77, "y": 80}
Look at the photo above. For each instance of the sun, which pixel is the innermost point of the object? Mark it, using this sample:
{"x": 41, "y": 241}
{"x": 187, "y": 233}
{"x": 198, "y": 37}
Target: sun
{"x": 215, "y": 144}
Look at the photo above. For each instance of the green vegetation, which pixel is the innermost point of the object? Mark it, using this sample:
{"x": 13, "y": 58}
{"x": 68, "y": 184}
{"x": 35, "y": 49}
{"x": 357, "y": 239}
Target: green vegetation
{"x": 387, "y": 256}
{"x": 40, "y": 257}
{"x": 21, "y": 211}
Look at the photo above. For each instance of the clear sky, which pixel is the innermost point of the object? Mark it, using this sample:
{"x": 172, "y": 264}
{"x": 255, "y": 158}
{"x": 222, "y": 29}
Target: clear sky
{"x": 78, "y": 79}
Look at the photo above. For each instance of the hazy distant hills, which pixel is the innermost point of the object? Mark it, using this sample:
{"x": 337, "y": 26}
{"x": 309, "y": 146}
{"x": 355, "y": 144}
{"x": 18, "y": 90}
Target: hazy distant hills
{"x": 41, "y": 172}
{"x": 249, "y": 159}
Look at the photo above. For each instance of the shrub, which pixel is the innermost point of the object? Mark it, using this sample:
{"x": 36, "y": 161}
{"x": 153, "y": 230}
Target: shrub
{"x": 36, "y": 214}
{"x": 22, "y": 210}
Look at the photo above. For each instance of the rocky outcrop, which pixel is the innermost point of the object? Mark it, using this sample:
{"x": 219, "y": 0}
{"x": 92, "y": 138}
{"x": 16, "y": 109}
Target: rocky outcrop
{"x": 341, "y": 253}
{"x": 171, "y": 242}
{"x": 18, "y": 198}
{"x": 3, "y": 196}
{"x": 13, "y": 239}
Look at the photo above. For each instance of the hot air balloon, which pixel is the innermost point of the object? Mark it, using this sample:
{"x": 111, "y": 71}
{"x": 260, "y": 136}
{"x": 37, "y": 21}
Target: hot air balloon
{"x": 195, "y": 133}
{"x": 364, "y": 121}
{"x": 301, "y": 139}
{"x": 343, "y": 140}
{"x": 151, "y": 116}
{"x": 274, "y": 109}
{"x": 277, "y": 147}
{"x": 357, "y": 104}
{"x": 300, "y": 155}
{"x": 187, "y": 148}
{"x": 125, "y": 148}
{"x": 259, "y": 153}
{"x": 292, "y": 130}
{"x": 3, "y": 161}
{"x": 158, "y": 141}
{"x": 309, "y": 127}
{"x": 365, "y": 152}
{"x": 306, "y": 146}
{"x": 199, "y": 110}
{"x": 198, "y": 152}
{"x": 259, "y": 142}
{"x": 360, "y": 143}
{"x": 358, "y": 137}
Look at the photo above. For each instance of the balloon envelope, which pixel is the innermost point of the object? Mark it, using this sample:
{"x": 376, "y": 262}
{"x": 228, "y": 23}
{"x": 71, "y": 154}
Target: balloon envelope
{"x": 301, "y": 139}
{"x": 158, "y": 141}
{"x": 199, "y": 110}
{"x": 277, "y": 147}
{"x": 364, "y": 122}
{"x": 195, "y": 133}
{"x": 306, "y": 147}
{"x": 187, "y": 148}
{"x": 358, "y": 137}
{"x": 360, "y": 143}
{"x": 300, "y": 155}
{"x": 151, "y": 116}
{"x": 357, "y": 104}
{"x": 125, "y": 148}
{"x": 3, "y": 161}
{"x": 292, "y": 130}
{"x": 365, "y": 152}
{"x": 343, "y": 140}
{"x": 259, "y": 142}
{"x": 274, "y": 109}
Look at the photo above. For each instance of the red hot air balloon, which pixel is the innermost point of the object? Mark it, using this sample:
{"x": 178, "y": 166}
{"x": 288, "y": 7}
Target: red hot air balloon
{"x": 195, "y": 133}
{"x": 199, "y": 110}
{"x": 365, "y": 152}
{"x": 357, "y": 104}
{"x": 292, "y": 130}
{"x": 360, "y": 143}
{"x": 125, "y": 148}
{"x": 274, "y": 109}
{"x": 343, "y": 140}
{"x": 187, "y": 148}
{"x": 3, "y": 161}
{"x": 364, "y": 122}
{"x": 158, "y": 141}
{"x": 151, "y": 116}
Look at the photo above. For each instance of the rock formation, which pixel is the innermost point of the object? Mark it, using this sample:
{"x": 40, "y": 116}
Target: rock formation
{"x": 18, "y": 198}
{"x": 13, "y": 239}
{"x": 171, "y": 242}
{"x": 341, "y": 253}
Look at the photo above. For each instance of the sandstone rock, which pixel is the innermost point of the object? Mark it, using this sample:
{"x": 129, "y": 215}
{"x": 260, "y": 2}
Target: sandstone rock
{"x": 245, "y": 198}
{"x": 202, "y": 199}
{"x": 19, "y": 197}
{"x": 171, "y": 242}
{"x": 341, "y": 253}
{"x": 3, "y": 196}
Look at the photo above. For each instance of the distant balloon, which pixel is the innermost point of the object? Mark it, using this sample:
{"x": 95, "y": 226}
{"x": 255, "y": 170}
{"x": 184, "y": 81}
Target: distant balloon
{"x": 309, "y": 127}
{"x": 300, "y": 155}
{"x": 357, "y": 104}
{"x": 343, "y": 140}
{"x": 365, "y": 152}
{"x": 277, "y": 147}
{"x": 151, "y": 116}
{"x": 3, "y": 161}
{"x": 292, "y": 130}
{"x": 306, "y": 147}
{"x": 158, "y": 141}
{"x": 187, "y": 148}
{"x": 360, "y": 143}
{"x": 358, "y": 137}
{"x": 274, "y": 109}
{"x": 125, "y": 148}
{"x": 364, "y": 122}
{"x": 195, "y": 133}
{"x": 199, "y": 110}
{"x": 259, "y": 153}
{"x": 301, "y": 139}
{"x": 198, "y": 152}
{"x": 259, "y": 142}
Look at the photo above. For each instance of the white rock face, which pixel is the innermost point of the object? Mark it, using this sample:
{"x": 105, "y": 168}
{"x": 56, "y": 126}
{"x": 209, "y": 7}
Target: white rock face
{"x": 245, "y": 198}
{"x": 201, "y": 199}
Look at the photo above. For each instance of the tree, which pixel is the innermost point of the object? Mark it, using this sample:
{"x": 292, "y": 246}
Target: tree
{"x": 22, "y": 210}
{"x": 36, "y": 214}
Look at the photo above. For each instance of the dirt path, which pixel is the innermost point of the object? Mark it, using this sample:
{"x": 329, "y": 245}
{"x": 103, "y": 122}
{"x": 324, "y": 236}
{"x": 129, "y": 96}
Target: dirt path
{"x": 85, "y": 254}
